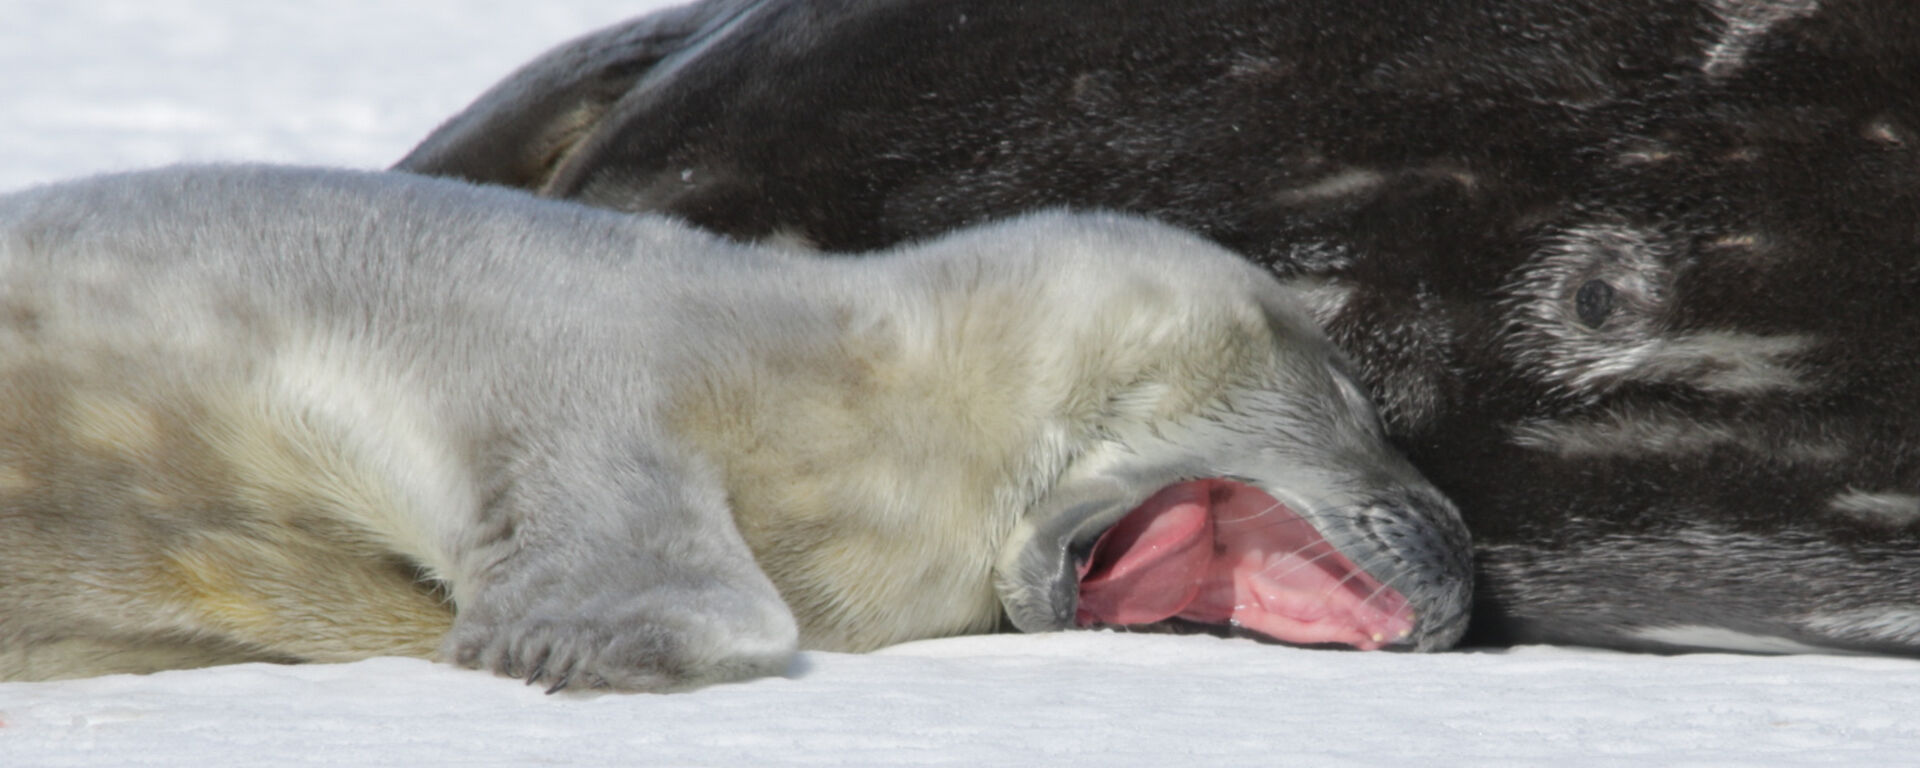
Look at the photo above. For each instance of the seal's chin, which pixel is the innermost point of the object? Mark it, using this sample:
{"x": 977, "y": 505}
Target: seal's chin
{"x": 1220, "y": 552}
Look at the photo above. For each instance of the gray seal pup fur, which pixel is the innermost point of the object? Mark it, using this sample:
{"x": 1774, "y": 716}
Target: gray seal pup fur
{"x": 1632, "y": 281}
{"x": 250, "y": 413}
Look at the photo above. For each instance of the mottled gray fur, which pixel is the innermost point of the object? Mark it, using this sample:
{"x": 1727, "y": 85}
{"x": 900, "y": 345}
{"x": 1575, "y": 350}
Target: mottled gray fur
{"x": 1614, "y": 271}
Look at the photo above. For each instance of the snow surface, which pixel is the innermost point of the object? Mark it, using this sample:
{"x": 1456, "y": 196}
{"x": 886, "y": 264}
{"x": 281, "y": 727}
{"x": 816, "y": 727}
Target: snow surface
{"x": 108, "y": 85}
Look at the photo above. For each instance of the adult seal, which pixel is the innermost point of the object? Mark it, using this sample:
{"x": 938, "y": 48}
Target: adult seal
{"x": 289, "y": 415}
{"x": 1631, "y": 280}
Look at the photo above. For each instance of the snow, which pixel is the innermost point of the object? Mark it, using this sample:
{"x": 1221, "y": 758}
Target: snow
{"x": 106, "y": 85}
{"x": 1105, "y": 699}
{"x": 120, "y": 84}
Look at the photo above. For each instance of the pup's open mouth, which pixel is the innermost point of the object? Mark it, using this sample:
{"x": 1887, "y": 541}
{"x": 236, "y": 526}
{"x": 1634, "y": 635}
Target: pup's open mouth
{"x": 1216, "y": 551}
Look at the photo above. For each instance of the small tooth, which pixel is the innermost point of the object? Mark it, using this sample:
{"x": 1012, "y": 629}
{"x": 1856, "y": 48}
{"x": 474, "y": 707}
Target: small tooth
{"x": 1377, "y": 637}
{"x": 1404, "y": 634}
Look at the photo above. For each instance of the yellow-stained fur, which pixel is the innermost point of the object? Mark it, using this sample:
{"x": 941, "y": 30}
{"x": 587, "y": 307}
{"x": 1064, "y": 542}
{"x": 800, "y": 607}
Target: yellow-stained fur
{"x": 223, "y": 525}
{"x": 255, "y": 414}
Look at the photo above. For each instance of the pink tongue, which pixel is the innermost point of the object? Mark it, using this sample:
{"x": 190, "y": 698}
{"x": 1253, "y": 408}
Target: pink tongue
{"x": 1217, "y": 551}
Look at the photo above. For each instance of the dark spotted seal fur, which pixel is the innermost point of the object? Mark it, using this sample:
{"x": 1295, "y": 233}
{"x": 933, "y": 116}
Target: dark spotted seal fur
{"x": 272, "y": 414}
{"x": 1633, "y": 281}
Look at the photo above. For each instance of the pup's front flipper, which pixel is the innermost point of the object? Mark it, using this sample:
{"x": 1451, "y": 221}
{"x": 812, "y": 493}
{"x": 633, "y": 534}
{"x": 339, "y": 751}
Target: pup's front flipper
{"x": 624, "y": 573}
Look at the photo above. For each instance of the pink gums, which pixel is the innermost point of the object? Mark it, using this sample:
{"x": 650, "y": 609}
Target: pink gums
{"x": 1216, "y": 551}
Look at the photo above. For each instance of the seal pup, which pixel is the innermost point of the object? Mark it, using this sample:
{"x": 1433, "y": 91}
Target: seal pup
{"x": 1630, "y": 280}
{"x": 251, "y": 413}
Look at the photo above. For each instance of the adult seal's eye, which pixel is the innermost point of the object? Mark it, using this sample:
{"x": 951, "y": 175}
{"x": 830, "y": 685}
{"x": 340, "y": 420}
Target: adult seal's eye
{"x": 1593, "y": 303}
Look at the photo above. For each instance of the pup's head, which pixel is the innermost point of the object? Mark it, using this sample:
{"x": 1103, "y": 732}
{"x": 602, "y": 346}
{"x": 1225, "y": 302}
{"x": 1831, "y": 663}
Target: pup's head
{"x": 1235, "y": 478}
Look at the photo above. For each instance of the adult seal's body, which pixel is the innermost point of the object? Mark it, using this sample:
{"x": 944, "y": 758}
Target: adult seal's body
{"x": 1631, "y": 280}
{"x": 268, "y": 414}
